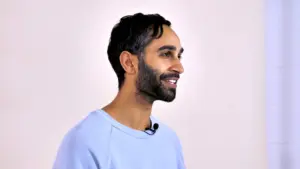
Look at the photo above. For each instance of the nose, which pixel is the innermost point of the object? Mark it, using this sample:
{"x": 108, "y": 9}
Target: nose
{"x": 177, "y": 67}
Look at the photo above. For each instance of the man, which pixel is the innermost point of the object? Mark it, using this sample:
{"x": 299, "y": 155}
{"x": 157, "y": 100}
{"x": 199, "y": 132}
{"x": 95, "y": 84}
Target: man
{"x": 145, "y": 54}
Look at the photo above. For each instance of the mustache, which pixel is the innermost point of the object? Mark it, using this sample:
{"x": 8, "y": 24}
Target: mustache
{"x": 169, "y": 75}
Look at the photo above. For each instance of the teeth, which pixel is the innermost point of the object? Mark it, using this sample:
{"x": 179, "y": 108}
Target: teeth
{"x": 172, "y": 81}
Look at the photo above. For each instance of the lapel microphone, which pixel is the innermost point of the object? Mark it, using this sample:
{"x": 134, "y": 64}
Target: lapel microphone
{"x": 151, "y": 128}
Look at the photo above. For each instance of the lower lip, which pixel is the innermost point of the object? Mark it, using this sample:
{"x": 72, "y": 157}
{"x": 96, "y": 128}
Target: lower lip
{"x": 169, "y": 84}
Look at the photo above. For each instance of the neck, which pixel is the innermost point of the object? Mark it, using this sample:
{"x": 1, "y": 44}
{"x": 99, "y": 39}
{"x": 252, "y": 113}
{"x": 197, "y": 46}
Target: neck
{"x": 130, "y": 109}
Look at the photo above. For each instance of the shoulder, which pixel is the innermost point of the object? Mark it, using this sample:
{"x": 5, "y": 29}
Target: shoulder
{"x": 85, "y": 143}
{"x": 94, "y": 128}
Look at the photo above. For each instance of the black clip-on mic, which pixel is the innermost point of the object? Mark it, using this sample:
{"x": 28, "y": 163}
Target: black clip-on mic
{"x": 153, "y": 131}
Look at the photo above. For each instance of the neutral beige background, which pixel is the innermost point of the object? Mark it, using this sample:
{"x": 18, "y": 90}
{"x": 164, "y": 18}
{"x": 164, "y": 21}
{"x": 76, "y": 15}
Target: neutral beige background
{"x": 54, "y": 71}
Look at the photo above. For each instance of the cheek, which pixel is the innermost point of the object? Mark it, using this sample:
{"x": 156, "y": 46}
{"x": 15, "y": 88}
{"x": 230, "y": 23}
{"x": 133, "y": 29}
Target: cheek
{"x": 160, "y": 66}
{"x": 157, "y": 62}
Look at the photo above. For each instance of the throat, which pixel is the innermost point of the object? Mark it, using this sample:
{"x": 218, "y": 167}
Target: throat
{"x": 135, "y": 116}
{"x": 145, "y": 98}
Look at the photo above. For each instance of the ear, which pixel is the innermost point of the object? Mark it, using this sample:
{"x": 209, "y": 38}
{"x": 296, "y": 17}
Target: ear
{"x": 127, "y": 61}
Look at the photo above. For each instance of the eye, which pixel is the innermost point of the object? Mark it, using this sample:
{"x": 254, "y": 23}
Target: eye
{"x": 179, "y": 56}
{"x": 167, "y": 54}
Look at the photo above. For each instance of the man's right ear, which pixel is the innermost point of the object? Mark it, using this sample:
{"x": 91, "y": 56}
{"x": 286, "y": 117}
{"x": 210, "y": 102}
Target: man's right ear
{"x": 127, "y": 61}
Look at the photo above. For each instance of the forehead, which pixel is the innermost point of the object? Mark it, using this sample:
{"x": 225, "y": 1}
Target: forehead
{"x": 169, "y": 37}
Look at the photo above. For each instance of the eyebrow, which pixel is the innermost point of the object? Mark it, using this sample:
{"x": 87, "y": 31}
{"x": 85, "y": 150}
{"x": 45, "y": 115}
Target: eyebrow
{"x": 170, "y": 47}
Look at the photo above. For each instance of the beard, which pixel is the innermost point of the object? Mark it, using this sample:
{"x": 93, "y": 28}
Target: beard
{"x": 150, "y": 86}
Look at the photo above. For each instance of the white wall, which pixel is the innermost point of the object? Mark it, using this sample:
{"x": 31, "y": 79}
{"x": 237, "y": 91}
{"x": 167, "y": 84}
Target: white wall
{"x": 54, "y": 71}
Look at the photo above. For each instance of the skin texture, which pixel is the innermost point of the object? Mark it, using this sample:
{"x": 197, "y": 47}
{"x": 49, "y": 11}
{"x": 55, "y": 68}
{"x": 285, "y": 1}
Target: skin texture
{"x": 146, "y": 80}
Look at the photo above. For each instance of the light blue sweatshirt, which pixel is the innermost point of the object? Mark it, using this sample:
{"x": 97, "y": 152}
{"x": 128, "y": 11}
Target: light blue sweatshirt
{"x": 100, "y": 142}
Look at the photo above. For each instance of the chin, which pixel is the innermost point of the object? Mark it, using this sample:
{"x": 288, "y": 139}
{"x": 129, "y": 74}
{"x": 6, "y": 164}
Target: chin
{"x": 168, "y": 100}
{"x": 160, "y": 94}
{"x": 168, "y": 97}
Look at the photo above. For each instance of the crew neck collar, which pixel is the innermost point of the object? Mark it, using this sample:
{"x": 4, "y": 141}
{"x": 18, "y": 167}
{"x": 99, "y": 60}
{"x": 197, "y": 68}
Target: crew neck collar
{"x": 128, "y": 130}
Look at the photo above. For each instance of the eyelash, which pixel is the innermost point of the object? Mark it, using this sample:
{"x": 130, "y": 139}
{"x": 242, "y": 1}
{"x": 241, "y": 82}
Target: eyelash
{"x": 169, "y": 54}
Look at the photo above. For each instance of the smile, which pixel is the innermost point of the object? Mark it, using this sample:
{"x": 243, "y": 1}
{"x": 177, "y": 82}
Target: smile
{"x": 171, "y": 82}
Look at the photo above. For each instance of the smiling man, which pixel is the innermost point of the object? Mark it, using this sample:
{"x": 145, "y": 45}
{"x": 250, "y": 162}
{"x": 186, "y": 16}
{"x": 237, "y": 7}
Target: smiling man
{"x": 145, "y": 53}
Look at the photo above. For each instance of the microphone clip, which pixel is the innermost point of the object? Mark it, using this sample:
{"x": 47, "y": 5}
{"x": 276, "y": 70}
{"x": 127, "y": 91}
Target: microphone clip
{"x": 153, "y": 128}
